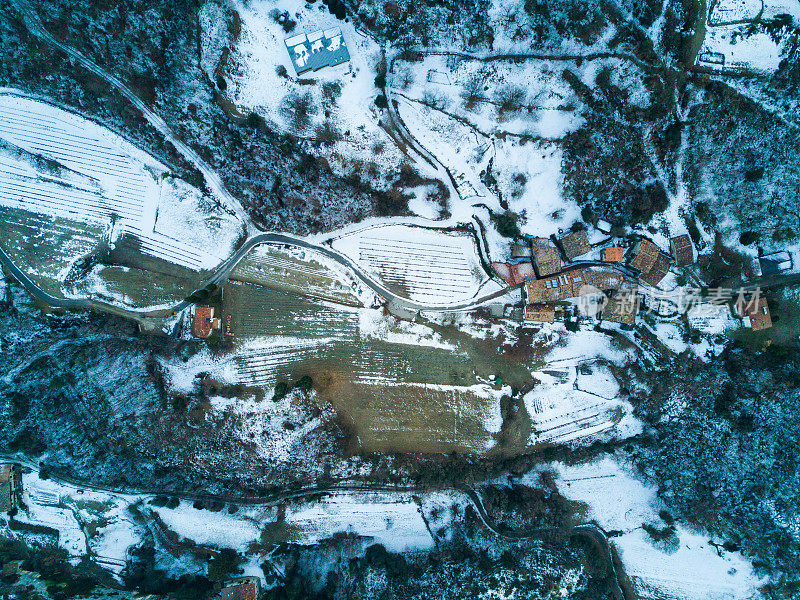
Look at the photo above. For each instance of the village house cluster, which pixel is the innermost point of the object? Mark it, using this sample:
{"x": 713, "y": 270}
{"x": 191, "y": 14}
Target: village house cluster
{"x": 558, "y": 272}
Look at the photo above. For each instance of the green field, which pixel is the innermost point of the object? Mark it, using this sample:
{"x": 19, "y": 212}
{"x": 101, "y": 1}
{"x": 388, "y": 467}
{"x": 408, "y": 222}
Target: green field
{"x": 378, "y": 386}
{"x": 138, "y": 287}
{"x": 299, "y": 274}
{"x": 408, "y": 418}
{"x": 44, "y": 247}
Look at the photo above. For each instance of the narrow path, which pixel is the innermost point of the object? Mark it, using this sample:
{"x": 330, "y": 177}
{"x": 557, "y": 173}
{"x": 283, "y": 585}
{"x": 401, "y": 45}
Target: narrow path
{"x": 36, "y": 28}
{"x": 590, "y": 530}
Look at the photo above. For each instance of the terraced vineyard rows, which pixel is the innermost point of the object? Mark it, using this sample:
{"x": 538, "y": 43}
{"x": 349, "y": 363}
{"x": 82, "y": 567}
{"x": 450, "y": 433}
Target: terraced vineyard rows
{"x": 425, "y": 265}
{"x": 427, "y": 272}
{"x": 57, "y": 163}
{"x": 43, "y": 245}
{"x": 256, "y": 311}
{"x": 281, "y": 270}
{"x": 280, "y": 331}
{"x": 406, "y": 418}
{"x": 265, "y": 366}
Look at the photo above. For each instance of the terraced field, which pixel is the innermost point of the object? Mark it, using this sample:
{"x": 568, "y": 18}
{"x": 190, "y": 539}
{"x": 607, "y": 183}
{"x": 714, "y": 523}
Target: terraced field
{"x": 256, "y": 311}
{"x": 422, "y": 264}
{"x": 68, "y": 185}
{"x": 418, "y": 418}
{"x": 138, "y": 287}
{"x": 399, "y": 396}
{"x": 43, "y": 247}
{"x": 293, "y": 271}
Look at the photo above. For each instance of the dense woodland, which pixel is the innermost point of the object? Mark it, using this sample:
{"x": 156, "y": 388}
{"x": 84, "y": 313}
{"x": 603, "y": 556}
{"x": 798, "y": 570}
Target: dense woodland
{"x": 725, "y": 449}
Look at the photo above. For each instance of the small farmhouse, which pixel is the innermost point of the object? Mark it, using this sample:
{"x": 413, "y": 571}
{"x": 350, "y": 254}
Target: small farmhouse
{"x": 570, "y": 284}
{"x": 622, "y": 308}
{"x": 575, "y": 244}
{"x": 204, "y": 321}
{"x": 245, "y": 589}
{"x": 645, "y": 254}
{"x": 681, "y": 246}
{"x": 546, "y": 258}
{"x": 657, "y": 272}
{"x": 10, "y": 487}
{"x": 755, "y": 313}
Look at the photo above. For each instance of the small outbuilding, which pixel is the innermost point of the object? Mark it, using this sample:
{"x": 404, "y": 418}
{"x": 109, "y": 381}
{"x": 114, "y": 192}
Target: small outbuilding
{"x": 575, "y": 244}
{"x": 546, "y": 258}
{"x": 612, "y": 254}
{"x": 682, "y": 250}
{"x": 540, "y": 313}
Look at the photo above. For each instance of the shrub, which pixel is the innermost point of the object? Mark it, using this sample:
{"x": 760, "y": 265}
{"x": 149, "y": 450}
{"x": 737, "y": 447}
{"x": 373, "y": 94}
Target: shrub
{"x": 304, "y": 384}
{"x": 748, "y": 237}
{"x": 281, "y": 389}
{"x": 331, "y": 90}
{"x": 507, "y": 224}
{"x": 288, "y": 24}
{"x": 327, "y": 133}
{"x": 380, "y": 101}
{"x": 472, "y": 91}
{"x": 297, "y": 110}
{"x": 255, "y": 120}
{"x": 754, "y": 174}
{"x": 224, "y": 564}
{"x": 509, "y": 98}
{"x": 281, "y": 71}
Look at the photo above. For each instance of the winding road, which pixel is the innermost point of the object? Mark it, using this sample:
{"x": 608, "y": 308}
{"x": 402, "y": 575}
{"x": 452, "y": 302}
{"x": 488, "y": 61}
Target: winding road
{"x": 221, "y": 273}
{"x": 589, "y": 530}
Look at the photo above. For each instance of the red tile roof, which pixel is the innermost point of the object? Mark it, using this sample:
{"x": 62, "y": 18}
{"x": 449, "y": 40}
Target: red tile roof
{"x": 241, "y": 591}
{"x": 546, "y": 258}
{"x": 646, "y": 254}
{"x": 541, "y": 313}
{"x": 682, "y": 250}
{"x": 575, "y": 244}
{"x": 657, "y": 272}
{"x": 757, "y": 312}
{"x": 613, "y": 254}
{"x": 203, "y": 320}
